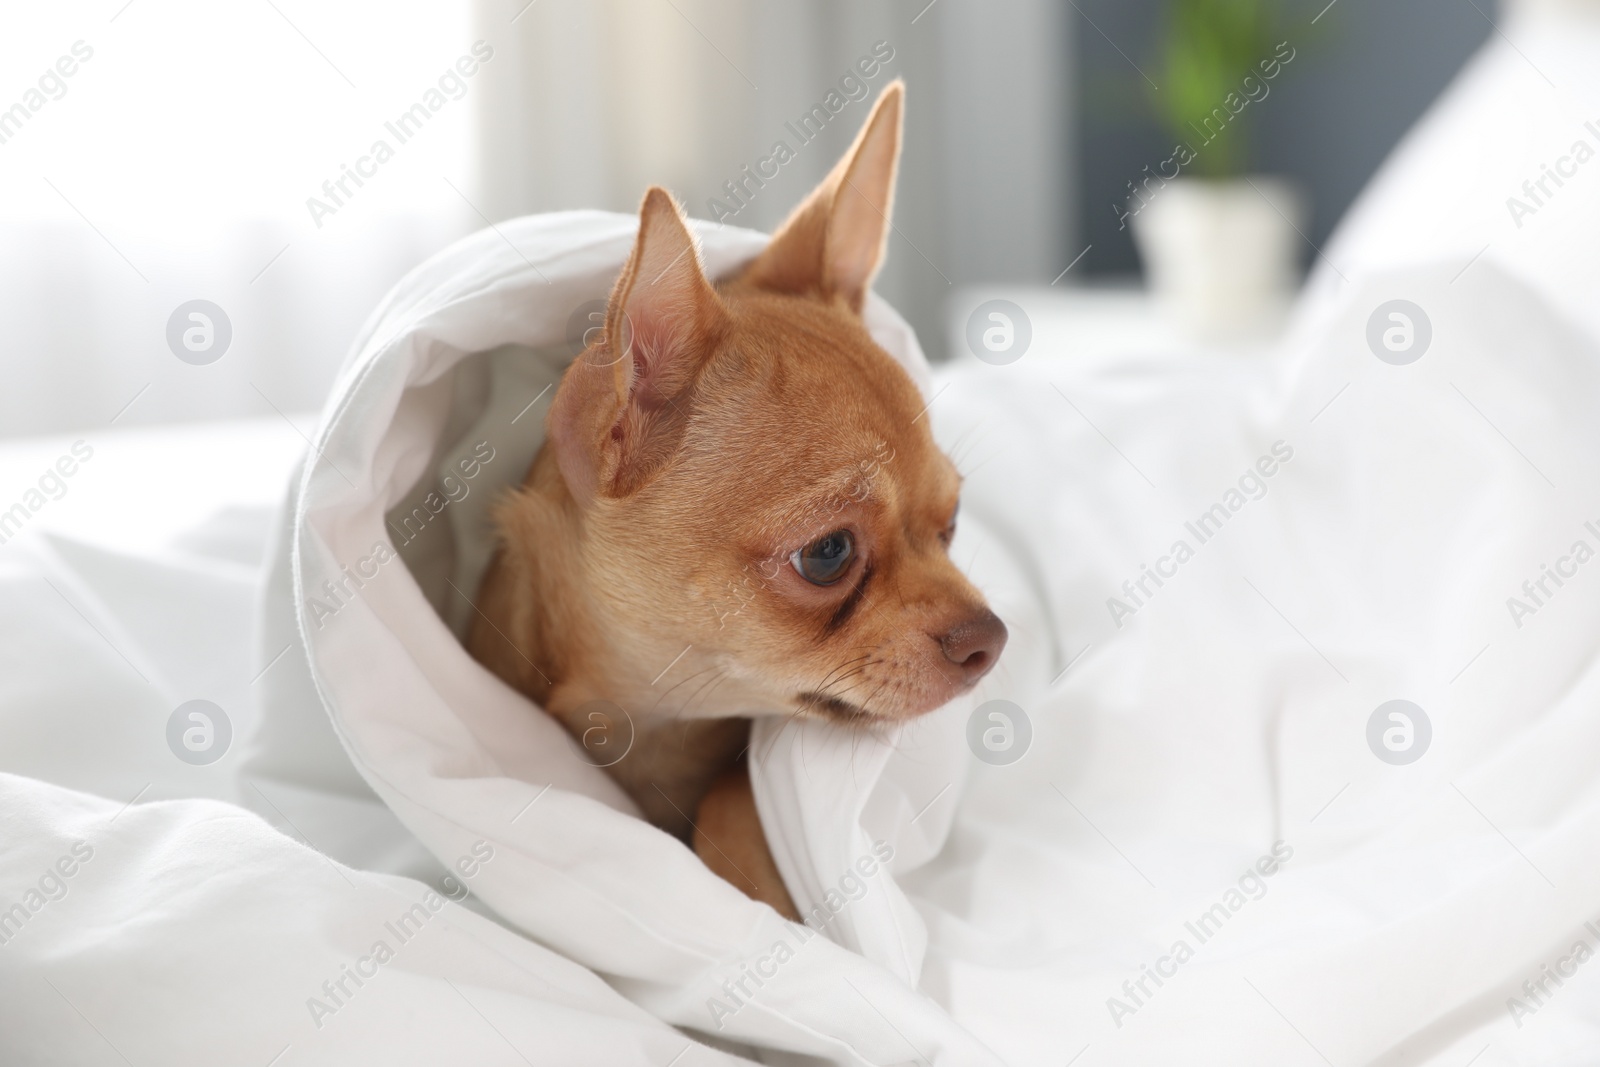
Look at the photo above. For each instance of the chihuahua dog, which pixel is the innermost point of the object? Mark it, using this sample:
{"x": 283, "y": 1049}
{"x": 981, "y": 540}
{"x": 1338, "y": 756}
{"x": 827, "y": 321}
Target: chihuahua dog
{"x": 738, "y": 510}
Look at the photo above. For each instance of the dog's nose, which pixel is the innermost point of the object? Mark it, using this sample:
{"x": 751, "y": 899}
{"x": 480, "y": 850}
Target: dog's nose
{"x": 974, "y": 644}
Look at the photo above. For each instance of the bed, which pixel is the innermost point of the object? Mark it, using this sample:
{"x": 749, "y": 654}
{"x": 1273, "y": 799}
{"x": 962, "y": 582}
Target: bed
{"x": 1305, "y": 646}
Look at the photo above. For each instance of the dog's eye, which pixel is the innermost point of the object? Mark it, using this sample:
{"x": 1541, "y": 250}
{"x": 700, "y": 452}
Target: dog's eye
{"x": 825, "y": 560}
{"x": 948, "y": 534}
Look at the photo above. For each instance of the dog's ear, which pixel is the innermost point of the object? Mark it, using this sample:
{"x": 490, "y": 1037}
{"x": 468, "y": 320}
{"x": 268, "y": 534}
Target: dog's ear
{"x": 832, "y": 244}
{"x": 621, "y": 409}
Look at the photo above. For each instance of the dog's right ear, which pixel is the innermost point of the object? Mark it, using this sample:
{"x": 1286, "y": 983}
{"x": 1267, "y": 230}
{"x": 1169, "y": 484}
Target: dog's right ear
{"x": 621, "y": 409}
{"x": 833, "y": 243}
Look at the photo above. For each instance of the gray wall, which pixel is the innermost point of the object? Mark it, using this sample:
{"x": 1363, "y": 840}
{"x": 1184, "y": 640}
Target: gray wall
{"x": 1361, "y": 76}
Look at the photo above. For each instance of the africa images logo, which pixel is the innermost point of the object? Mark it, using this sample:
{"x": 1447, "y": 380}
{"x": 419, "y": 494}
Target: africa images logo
{"x": 742, "y": 188}
{"x": 1251, "y": 485}
{"x": 451, "y": 85}
{"x": 1252, "y": 885}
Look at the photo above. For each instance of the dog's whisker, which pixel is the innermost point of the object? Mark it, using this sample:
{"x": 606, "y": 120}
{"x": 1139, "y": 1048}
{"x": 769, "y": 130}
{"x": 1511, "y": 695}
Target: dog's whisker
{"x": 856, "y": 672}
{"x": 847, "y": 663}
{"x": 680, "y": 712}
{"x": 961, "y": 448}
{"x": 679, "y": 715}
{"x": 703, "y": 694}
{"x": 865, "y": 660}
{"x": 828, "y": 683}
{"x": 666, "y": 693}
{"x": 866, "y": 705}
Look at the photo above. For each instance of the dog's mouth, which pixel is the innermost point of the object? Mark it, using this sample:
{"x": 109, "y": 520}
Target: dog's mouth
{"x": 838, "y": 710}
{"x": 834, "y": 709}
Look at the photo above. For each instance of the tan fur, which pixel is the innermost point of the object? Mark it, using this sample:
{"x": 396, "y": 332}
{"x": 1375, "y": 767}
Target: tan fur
{"x": 728, "y": 838}
{"x": 704, "y": 438}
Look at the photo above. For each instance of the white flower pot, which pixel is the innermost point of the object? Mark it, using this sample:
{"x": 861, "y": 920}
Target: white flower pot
{"x": 1222, "y": 256}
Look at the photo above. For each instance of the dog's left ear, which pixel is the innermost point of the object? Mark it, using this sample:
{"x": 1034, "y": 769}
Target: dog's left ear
{"x": 619, "y": 414}
{"x": 833, "y": 243}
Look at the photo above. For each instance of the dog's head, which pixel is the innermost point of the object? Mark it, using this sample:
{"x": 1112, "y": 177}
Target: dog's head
{"x": 756, "y": 478}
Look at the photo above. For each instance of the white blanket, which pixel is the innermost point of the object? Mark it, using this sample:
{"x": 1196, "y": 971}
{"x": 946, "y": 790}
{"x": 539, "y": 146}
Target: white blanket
{"x": 1201, "y": 858}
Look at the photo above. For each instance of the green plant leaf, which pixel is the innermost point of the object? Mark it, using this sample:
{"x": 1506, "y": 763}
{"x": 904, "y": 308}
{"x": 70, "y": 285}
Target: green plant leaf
{"x": 1207, "y": 49}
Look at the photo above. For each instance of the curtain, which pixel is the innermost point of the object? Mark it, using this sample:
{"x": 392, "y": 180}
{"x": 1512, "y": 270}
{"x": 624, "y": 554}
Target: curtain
{"x": 161, "y": 160}
{"x": 158, "y": 153}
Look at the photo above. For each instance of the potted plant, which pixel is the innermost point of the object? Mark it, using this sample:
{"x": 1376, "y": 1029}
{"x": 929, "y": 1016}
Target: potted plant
{"x": 1220, "y": 244}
